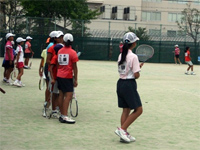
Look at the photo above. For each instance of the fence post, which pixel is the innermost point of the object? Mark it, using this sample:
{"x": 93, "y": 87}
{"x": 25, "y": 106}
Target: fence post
{"x": 82, "y": 33}
{"x": 160, "y": 43}
{"x": 108, "y": 29}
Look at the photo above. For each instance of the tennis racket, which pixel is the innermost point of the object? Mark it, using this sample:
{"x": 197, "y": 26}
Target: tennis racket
{"x": 144, "y": 52}
{"x": 41, "y": 83}
{"x": 31, "y": 61}
{"x": 13, "y": 74}
{"x": 48, "y": 110}
{"x": 2, "y": 91}
{"x": 74, "y": 106}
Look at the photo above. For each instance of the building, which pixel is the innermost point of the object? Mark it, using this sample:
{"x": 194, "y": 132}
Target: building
{"x": 157, "y": 16}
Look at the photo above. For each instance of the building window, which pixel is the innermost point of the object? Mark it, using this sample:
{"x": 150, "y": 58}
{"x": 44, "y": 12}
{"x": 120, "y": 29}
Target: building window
{"x": 196, "y": 2}
{"x": 178, "y": 1}
{"x": 151, "y": 16}
{"x": 152, "y": 0}
{"x": 171, "y": 33}
{"x": 154, "y": 32}
{"x": 173, "y": 17}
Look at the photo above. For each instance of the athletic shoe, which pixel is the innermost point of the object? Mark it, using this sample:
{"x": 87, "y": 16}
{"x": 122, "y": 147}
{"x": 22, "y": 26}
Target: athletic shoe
{"x": 132, "y": 139}
{"x": 21, "y": 84}
{"x": 187, "y": 72}
{"x": 44, "y": 114}
{"x": 122, "y": 134}
{"x": 5, "y": 80}
{"x": 26, "y": 67}
{"x": 192, "y": 73}
{"x": 55, "y": 114}
{"x": 66, "y": 120}
{"x": 15, "y": 83}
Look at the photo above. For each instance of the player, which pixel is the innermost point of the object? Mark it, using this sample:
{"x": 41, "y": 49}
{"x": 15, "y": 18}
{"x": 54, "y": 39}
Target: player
{"x": 28, "y": 51}
{"x": 53, "y": 87}
{"x": 188, "y": 61}
{"x": 67, "y": 67}
{"x": 9, "y": 57}
{"x": 128, "y": 97}
{"x": 19, "y": 61}
{"x": 176, "y": 54}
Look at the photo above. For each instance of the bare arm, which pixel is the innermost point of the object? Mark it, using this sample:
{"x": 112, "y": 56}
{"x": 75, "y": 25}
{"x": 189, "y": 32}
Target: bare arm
{"x": 75, "y": 69}
{"x": 41, "y": 67}
{"x": 51, "y": 74}
{"x": 49, "y": 56}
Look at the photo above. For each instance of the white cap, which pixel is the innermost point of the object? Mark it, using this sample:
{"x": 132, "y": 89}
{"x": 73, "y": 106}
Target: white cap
{"x": 176, "y": 45}
{"x": 9, "y": 35}
{"x": 20, "y": 39}
{"x": 53, "y": 34}
{"x": 29, "y": 38}
{"x": 59, "y": 33}
{"x": 69, "y": 37}
{"x": 130, "y": 37}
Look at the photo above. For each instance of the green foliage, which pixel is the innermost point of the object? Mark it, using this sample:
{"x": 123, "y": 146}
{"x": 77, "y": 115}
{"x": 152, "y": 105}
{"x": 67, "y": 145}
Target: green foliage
{"x": 71, "y": 12}
{"x": 140, "y": 32}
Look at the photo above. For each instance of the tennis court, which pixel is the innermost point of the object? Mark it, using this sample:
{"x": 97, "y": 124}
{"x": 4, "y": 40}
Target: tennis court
{"x": 170, "y": 120}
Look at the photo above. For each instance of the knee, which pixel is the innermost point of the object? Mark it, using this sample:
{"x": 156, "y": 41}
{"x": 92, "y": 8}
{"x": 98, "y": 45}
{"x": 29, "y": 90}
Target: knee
{"x": 139, "y": 110}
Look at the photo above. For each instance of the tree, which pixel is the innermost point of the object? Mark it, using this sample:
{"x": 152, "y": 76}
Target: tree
{"x": 140, "y": 32}
{"x": 190, "y": 22}
{"x": 72, "y": 12}
{"x": 11, "y": 9}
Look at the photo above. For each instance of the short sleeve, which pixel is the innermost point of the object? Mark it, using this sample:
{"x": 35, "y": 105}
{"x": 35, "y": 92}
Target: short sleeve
{"x": 75, "y": 58}
{"x": 135, "y": 65}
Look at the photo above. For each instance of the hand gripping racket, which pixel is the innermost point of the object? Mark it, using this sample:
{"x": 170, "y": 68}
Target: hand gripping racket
{"x": 144, "y": 52}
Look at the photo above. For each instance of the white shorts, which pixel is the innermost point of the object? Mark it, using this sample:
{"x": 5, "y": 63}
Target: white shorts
{"x": 189, "y": 63}
{"x": 53, "y": 88}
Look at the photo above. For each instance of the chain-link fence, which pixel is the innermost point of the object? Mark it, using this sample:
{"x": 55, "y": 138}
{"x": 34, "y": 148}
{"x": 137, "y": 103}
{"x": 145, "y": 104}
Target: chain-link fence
{"x": 99, "y": 40}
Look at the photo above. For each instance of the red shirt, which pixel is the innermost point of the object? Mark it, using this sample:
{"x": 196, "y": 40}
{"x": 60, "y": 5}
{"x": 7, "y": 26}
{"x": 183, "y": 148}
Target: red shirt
{"x": 9, "y": 49}
{"x": 66, "y": 57}
{"x": 121, "y": 48}
{"x": 27, "y": 47}
{"x": 54, "y": 61}
{"x": 187, "y": 56}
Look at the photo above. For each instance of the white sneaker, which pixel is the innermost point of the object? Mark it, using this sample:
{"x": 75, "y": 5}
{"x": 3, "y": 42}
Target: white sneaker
{"x": 21, "y": 84}
{"x": 55, "y": 114}
{"x": 132, "y": 139}
{"x": 122, "y": 134}
{"x": 192, "y": 73}
{"x": 15, "y": 83}
{"x": 67, "y": 120}
{"x": 44, "y": 114}
{"x": 187, "y": 72}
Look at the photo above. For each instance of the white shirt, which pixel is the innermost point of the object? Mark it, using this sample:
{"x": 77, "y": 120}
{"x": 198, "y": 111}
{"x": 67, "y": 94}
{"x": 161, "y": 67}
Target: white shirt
{"x": 21, "y": 56}
{"x": 129, "y": 67}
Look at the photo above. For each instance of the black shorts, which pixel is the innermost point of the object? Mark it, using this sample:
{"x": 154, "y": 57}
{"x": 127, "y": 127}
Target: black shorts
{"x": 65, "y": 85}
{"x": 177, "y": 56}
{"x": 128, "y": 96}
{"x": 27, "y": 55}
{"x": 7, "y": 65}
{"x": 46, "y": 71}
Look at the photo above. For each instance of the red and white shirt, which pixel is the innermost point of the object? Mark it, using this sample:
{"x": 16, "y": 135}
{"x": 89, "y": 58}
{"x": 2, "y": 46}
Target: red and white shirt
{"x": 187, "y": 56}
{"x": 27, "y": 47}
{"x": 20, "y": 50}
{"x": 66, "y": 57}
{"x": 129, "y": 67}
{"x": 8, "y": 49}
{"x": 177, "y": 51}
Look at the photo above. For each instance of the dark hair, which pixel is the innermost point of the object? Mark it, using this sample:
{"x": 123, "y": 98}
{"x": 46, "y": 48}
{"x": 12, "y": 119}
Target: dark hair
{"x": 68, "y": 43}
{"x": 126, "y": 46}
{"x": 187, "y": 48}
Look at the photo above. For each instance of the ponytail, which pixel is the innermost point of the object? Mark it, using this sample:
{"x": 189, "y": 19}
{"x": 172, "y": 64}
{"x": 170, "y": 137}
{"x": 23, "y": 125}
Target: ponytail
{"x": 126, "y": 47}
{"x": 186, "y": 48}
{"x": 68, "y": 43}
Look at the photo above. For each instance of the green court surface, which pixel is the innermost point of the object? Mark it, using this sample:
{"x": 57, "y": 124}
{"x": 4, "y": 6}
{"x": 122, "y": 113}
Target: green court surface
{"x": 170, "y": 120}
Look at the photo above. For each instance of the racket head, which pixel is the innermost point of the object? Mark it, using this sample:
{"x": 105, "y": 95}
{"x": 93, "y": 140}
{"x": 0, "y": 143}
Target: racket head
{"x": 144, "y": 52}
{"x": 13, "y": 74}
{"x": 48, "y": 110}
{"x": 74, "y": 107}
{"x": 41, "y": 83}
